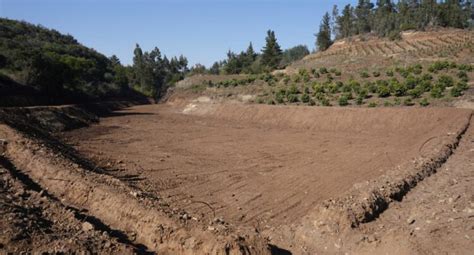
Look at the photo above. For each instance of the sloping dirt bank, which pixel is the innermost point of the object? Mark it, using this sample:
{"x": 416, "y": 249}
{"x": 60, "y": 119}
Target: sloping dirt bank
{"x": 78, "y": 183}
{"x": 34, "y": 222}
{"x": 279, "y": 170}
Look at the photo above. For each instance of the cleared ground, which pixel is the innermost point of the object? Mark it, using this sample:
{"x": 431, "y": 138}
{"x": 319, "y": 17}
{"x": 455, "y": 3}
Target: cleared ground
{"x": 259, "y": 166}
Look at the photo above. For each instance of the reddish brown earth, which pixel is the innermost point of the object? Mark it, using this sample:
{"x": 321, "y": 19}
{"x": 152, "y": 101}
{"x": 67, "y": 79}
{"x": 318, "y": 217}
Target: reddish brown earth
{"x": 259, "y": 166}
{"x": 203, "y": 177}
{"x": 33, "y": 222}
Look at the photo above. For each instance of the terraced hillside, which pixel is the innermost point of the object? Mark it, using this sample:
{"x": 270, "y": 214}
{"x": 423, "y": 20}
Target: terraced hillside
{"x": 414, "y": 47}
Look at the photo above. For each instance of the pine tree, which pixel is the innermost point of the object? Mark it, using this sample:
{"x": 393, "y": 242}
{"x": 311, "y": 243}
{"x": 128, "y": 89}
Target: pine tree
{"x": 323, "y": 38}
{"x": 248, "y": 57}
{"x": 334, "y": 25}
{"x": 346, "y": 22}
{"x": 271, "y": 53}
{"x": 114, "y": 60}
{"x": 385, "y": 18}
{"x": 362, "y": 14}
{"x": 215, "y": 68}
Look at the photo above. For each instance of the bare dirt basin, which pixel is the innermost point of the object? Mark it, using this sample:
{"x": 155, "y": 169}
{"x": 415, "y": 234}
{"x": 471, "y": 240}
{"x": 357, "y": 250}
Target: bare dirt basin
{"x": 258, "y": 166}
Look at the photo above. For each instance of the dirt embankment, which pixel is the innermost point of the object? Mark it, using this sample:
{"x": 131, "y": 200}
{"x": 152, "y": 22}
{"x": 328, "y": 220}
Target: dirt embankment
{"x": 218, "y": 178}
{"x": 78, "y": 183}
{"x": 271, "y": 168}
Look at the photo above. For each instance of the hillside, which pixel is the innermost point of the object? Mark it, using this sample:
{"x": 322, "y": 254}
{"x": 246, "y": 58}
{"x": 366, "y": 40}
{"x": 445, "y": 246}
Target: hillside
{"x": 42, "y": 66}
{"x": 423, "y": 68}
{"x": 414, "y": 47}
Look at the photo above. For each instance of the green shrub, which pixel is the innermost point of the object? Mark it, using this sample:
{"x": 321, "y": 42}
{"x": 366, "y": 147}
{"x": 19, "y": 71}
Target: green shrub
{"x": 425, "y": 85}
{"x": 437, "y": 91}
{"x": 387, "y": 104}
{"x": 292, "y": 98}
{"x": 462, "y": 75}
{"x": 306, "y": 90}
{"x": 411, "y": 81}
{"x": 383, "y": 91}
{"x": 323, "y": 70}
{"x": 330, "y": 78}
{"x": 462, "y": 85}
{"x": 464, "y": 67}
{"x": 355, "y": 86}
{"x": 446, "y": 81}
{"x": 333, "y": 70}
{"x": 372, "y": 87}
{"x": 456, "y": 91}
{"x": 363, "y": 93}
{"x": 305, "y": 98}
{"x": 438, "y": 66}
{"x": 376, "y": 74}
{"x": 427, "y": 77}
{"x": 408, "y": 102}
{"x": 296, "y": 78}
{"x": 372, "y": 104}
{"x": 270, "y": 101}
{"x": 364, "y": 74}
{"x": 303, "y": 73}
{"x": 415, "y": 69}
{"x": 324, "y": 101}
{"x": 318, "y": 88}
{"x": 346, "y": 88}
{"x": 333, "y": 88}
{"x": 424, "y": 102}
{"x": 416, "y": 92}
{"x": 397, "y": 101}
{"x": 280, "y": 97}
{"x": 349, "y": 95}
{"x": 338, "y": 73}
{"x": 311, "y": 102}
{"x": 389, "y": 73}
{"x": 343, "y": 100}
{"x": 398, "y": 89}
{"x": 403, "y": 72}
{"x": 293, "y": 89}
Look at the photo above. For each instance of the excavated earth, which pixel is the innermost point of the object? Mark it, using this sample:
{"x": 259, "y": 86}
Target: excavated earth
{"x": 228, "y": 178}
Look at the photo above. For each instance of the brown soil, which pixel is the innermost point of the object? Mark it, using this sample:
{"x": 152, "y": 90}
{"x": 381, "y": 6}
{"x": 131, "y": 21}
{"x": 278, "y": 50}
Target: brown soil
{"x": 34, "y": 222}
{"x": 262, "y": 167}
{"x": 437, "y": 217}
{"x": 203, "y": 177}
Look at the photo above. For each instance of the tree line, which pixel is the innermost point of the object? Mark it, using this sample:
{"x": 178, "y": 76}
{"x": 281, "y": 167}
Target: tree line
{"x": 385, "y": 18}
{"x": 252, "y": 62}
{"x": 59, "y": 68}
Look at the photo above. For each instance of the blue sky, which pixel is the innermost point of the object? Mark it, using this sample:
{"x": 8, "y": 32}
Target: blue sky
{"x": 203, "y": 31}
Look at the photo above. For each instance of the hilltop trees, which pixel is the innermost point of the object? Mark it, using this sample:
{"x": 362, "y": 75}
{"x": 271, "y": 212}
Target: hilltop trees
{"x": 152, "y": 73}
{"x": 323, "y": 40}
{"x": 292, "y": 54}
{"x": 362, "y": 16}
{"x": 386, "y": 18}
{"x": 250, "y": 62}
{"x": 271, "y": 53}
